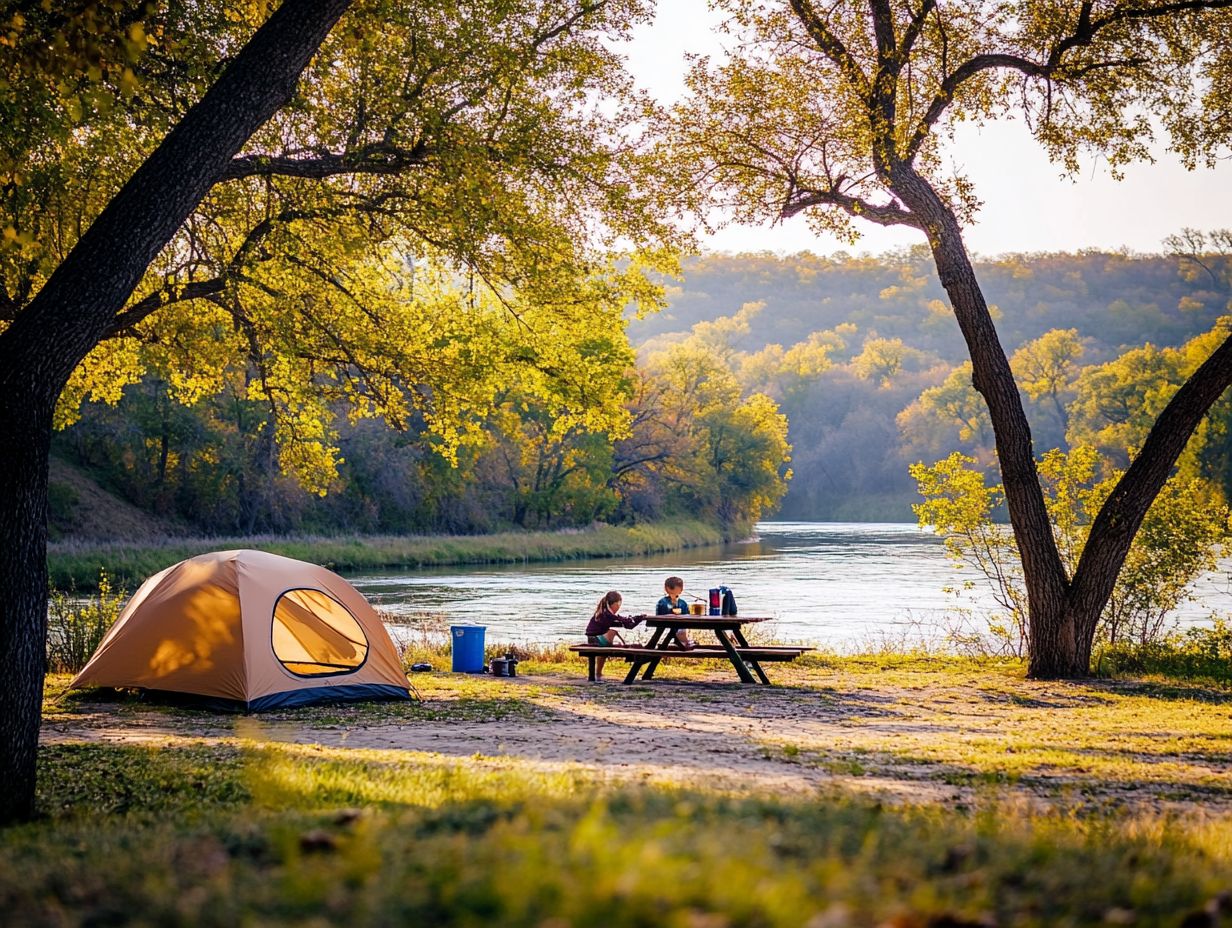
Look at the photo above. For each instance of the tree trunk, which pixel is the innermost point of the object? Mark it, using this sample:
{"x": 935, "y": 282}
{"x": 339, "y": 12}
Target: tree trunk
{"x": 1121, "y": 516}
{"x": 1054, "y": 646}
{"x": 1063, "y": 615}
{"x": 72, "y": 313}
{"x": 26, "y": 437}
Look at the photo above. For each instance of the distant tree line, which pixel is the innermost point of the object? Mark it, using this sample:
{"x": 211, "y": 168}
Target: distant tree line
{"x": 865, "y": 360}
{"x": 863, "y": 403}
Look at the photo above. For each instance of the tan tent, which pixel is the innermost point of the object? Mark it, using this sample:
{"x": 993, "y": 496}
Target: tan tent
{"x": 251, "y": 630}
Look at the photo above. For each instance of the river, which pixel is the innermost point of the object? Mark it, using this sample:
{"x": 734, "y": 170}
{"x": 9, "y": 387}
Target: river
{"x": 846, "y": 586}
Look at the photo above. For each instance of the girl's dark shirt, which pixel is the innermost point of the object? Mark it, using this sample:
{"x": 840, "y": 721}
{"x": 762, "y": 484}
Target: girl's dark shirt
{"x": 606, "y": 620}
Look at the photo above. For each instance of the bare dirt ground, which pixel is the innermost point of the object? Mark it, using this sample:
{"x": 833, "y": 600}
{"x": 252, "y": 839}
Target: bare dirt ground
{"x": 931, "y": 736}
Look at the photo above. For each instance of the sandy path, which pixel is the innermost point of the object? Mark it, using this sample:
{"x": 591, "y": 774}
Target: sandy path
{"x": 673, "y": 737}
{"x": 898, "y": 742}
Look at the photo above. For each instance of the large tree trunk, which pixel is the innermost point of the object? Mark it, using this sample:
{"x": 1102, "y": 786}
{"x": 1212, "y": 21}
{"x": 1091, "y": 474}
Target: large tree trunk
{"x": 1121, "y": 516}
{"x": 1063, "y": 615}
{"x": 72, "y": 313}
{"x": 1054, "y": 647}
{"x": 25, "y": 434}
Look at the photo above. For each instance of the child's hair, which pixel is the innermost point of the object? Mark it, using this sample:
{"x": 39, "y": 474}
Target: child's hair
{"x": 673, "y": 583}
{"x": 610, "y": 598}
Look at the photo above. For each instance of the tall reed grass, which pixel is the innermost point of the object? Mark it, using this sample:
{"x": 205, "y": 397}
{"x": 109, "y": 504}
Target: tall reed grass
{"x": 76, "y": 565}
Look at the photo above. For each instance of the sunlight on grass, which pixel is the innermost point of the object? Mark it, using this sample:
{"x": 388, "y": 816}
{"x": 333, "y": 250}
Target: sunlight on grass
{"x": 1035, "y": 804}
{"x": 276, "y": 834}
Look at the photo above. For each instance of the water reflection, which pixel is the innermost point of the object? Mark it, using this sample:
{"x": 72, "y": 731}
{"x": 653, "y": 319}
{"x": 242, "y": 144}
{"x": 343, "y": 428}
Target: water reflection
{"x": 843, "y": 585}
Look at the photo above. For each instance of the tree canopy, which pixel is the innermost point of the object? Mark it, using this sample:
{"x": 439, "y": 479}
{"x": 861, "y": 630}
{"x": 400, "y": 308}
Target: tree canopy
{"x": 440, "y": 211}
{"x": 335, "y": 198}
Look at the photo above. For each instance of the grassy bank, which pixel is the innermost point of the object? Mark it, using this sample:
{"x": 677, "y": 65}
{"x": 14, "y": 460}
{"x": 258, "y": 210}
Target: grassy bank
{"x": 1022, "y": 804}
{"x": 76, "y": 566}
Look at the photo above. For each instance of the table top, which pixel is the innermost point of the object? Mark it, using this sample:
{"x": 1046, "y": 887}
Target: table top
{"x": 703, "y": 621}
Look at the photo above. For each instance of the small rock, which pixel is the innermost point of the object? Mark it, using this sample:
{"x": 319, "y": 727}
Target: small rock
{"x": 348, "y": 816}
{"x": 1120, "y": 916}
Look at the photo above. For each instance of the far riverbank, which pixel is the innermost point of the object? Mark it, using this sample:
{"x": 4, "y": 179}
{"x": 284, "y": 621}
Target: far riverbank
{"x": 76, "y": 565}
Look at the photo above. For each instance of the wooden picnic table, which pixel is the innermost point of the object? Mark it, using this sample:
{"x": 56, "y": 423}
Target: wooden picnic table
{"x": 731, "y": 646}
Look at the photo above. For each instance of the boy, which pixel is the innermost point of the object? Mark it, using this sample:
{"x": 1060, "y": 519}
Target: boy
{"x": 672, "y": 604}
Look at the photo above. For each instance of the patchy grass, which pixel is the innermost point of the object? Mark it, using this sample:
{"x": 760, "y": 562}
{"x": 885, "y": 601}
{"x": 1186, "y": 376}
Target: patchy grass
{"x": 76, "y": 565}
{"x": 1015, "y": 803}
{"x": 289, "y": 834}
{"x": 446, "y": 698}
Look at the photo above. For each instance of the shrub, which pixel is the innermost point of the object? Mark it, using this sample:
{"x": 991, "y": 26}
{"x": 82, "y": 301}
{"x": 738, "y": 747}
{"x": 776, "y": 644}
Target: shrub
{"x": 1199, "y": 654}
{"x": 75, "y": 627}
{"x": 1182, "y": 535}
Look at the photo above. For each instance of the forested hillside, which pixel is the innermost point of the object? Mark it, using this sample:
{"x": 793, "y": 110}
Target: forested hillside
{"x": 1115, "y": 300}
{"x": 861, "y": 354}
{"x": 866, "y": 361}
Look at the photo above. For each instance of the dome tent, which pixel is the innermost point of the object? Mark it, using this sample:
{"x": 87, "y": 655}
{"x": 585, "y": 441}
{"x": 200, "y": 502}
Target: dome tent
{"x": 249, "y": 630}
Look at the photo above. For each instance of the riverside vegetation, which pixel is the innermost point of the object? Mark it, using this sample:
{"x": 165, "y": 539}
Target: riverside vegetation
{"x": 76, "y": 565}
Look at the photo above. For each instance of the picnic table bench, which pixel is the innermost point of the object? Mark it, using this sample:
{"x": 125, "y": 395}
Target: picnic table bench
{"x": 732, "y": 647}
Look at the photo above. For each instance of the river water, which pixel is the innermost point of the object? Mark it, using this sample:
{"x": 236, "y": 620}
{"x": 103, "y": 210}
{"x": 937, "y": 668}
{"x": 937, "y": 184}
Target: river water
{"x": 842, "y": 585}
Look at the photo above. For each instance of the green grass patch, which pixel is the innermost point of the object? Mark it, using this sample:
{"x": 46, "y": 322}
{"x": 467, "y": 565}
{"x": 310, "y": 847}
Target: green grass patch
{"x": 251, "y": 833}
{"x": 1035, "y": 803}
{"x": 76, "y": 566}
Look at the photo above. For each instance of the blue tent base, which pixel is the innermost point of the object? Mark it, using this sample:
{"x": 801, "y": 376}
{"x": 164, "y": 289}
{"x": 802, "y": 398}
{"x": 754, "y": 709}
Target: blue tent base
{"x": 313, "y": 696}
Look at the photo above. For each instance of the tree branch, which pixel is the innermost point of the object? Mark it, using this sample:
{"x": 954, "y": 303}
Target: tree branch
{"x": 379, "y": 158}
{"x": 155, "y": 301}
{"x": 830, "y": 44}
{"x": 886, "y": 215}
{"x": 79, "y": 303}
{"x": 1118, "y": 521}
{"x": 963, "y": 73}
{"x": 912, "y": 32}
{"x": 8, "y": 306}
{"x": 1084, "y": 33}
{"x": 883, "y": 31}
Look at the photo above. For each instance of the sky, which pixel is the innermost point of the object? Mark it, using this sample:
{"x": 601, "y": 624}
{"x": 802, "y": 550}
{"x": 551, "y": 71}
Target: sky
{"x": 1029, "y": 204}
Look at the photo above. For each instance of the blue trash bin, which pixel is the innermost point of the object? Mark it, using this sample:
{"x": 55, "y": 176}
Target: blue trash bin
{"x": 467, "y": 648}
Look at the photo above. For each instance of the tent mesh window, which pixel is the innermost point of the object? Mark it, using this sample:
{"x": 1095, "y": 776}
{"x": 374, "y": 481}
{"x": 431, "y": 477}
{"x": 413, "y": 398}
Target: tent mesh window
{"x": 315, "y": 635}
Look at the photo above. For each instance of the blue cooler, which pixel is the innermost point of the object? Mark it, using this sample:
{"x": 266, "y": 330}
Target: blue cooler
{"x": 467, "y": 648}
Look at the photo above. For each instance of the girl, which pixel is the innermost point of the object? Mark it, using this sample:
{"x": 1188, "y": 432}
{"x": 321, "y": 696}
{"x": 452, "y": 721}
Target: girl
{"x": 601, "y": 630}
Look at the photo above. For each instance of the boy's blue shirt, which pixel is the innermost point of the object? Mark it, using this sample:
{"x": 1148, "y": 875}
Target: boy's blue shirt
{"x": 664, "y": 606}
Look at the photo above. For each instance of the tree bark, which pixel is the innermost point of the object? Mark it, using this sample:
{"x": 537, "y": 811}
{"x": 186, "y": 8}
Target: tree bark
{"x": 23, "y": 596}
{"x": 1055, "y": 650}
{"x": 1121, "y": 516}
{"x": 1063, "y": 615}
{"x": 73, "y": 312}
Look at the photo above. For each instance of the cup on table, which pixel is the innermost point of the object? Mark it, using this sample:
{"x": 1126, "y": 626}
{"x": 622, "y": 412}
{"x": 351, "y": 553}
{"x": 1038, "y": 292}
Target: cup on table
{"x": 696, "y": 608}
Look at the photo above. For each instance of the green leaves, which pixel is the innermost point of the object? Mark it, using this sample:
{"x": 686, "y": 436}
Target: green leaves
{"x": 821, "y": 109}
{"x": 1184, "y": 531}
{"x": 455, "y": 201}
